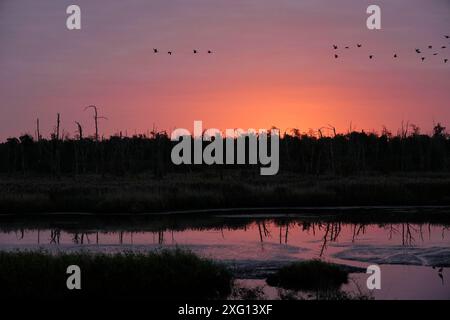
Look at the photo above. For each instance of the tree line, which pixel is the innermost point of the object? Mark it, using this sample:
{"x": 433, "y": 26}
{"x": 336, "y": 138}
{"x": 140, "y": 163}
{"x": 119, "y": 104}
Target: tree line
{"x": 354, "y": 152}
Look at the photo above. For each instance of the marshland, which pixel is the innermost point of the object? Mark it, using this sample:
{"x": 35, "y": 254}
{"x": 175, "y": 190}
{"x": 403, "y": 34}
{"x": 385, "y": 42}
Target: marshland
{"x": 135, "y": 174}
{"x": 340, "y": 201}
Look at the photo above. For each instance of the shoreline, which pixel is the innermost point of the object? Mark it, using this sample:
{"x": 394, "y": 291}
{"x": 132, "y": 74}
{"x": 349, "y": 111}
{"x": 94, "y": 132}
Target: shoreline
{"x": 249, "y": 212}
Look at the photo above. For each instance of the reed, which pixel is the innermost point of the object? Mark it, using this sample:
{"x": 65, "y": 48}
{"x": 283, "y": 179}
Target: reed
{"x": 164, "y": 274}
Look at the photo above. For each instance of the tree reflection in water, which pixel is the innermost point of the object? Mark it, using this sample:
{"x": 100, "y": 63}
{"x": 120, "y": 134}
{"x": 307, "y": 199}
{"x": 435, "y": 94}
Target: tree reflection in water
{"x": 278, "y": 230}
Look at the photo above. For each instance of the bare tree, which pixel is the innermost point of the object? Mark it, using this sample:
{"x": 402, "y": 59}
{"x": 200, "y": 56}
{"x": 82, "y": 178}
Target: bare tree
{"x": 58, "y": 121}
{"x": 96, "y": 118}
{"x": 80, "y": 131}
{"x": 38, "y": 132}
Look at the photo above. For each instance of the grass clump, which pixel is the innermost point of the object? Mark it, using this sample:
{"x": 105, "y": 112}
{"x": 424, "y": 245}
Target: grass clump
{"x": 309, "y": 276}
{"x": 166, "y": 274}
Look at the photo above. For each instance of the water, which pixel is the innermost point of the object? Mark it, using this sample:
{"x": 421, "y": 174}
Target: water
{"x": 410, "y": 254}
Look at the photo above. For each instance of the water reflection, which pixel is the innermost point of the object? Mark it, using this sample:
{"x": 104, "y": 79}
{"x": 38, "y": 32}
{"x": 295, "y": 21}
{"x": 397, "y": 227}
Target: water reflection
{"x": 225, "y": 230}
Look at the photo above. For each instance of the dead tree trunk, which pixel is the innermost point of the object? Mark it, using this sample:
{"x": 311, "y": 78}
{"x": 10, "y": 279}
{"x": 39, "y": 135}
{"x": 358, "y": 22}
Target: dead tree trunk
{"x": 38, "y": 132}
{"x": 80, "y": 131}
{"x": 96, "y": 118}
{"x": 57, "y": 126}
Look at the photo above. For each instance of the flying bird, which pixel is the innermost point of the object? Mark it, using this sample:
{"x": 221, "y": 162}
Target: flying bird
{"x": 418, "y": 50}
{"x": 443, "y": 47}
{"x": 336, "y": 56}
{"x": 335, "y": 47}
{"x": 435, "y": 54}
{"x": 430, "y": 47}
{"x": 347, "y": 47}
{"x": 169, "y": 52}
{"x": 359, "y": 45}
{"x": 209, "y": 51}
{"x": 423, "y": 58}
{"x": 195, "y": 51}
{"x": 447, "y": 37}
{"x": 371, "y": 57}
{"x": 445, "y": 60}
{"x": 395, "y": 55}
{"x": 155, "y": 50}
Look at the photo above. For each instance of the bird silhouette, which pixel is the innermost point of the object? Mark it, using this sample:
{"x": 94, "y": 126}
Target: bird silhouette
{"x": 418, "y": 50}
{"x": 195, "y": 51}
{"x": 447, "y": 37}
{"x": 371, "y": 57}
{"x": 155, "y": 50}
{"x": 430, "y": 47}
{"x": 359, "y": 45}
{"x": 440, "y": 275}
{"x": 435, "y": 54}
{"x": 169, "y": 52}
{"x": 335, "y": 47}
{"x": 423, "y": 58}
{"x": 395, "y": 55}
{"x": 443, "y": 47}
{"x": 445, "y": 60}
{"x": 336, "y": 56}
{"x": 209, "y": 51}
{"x": 347, "y": 47}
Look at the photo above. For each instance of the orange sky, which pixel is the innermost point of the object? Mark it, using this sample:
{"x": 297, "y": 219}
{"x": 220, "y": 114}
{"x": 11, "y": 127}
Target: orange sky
{"x": 272, "y": 65}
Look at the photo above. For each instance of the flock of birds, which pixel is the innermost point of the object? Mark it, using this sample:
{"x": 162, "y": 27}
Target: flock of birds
{"x": 194, "y": 51}
{"x": 395, "y": 55}
{"x": 336, "y": 56}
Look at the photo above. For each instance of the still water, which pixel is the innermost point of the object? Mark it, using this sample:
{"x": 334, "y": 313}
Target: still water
{"x": 414, "y": 257}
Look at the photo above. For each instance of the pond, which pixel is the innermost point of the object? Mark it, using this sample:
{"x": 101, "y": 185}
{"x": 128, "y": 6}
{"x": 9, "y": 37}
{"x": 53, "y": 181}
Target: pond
{"x": 414, "y": 256}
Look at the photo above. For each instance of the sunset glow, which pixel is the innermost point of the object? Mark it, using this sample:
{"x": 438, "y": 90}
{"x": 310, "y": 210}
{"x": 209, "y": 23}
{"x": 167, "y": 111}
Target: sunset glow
{"x": 272, "y": 65}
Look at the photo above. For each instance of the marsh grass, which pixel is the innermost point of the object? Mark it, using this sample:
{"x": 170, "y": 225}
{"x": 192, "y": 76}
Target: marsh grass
{"x": 337, "y": 295}
{"x": 144, "y": 194}
{"x": 165, "y": 274}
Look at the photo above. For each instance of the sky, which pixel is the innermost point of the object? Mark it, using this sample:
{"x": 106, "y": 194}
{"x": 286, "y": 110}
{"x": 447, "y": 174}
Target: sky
{"x": 272, "y": 65}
